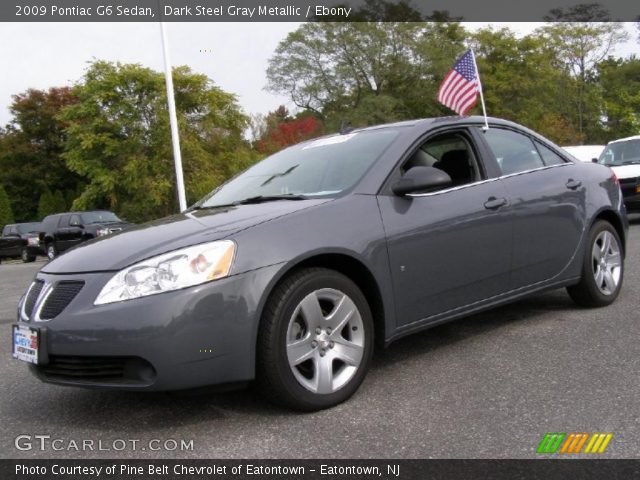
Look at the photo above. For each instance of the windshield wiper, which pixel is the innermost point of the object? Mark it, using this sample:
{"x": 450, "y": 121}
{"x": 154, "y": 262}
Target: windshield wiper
{"x": 251, "y": 200}
{"x": 269, "y": 198}
{"x": 631, "y": 162}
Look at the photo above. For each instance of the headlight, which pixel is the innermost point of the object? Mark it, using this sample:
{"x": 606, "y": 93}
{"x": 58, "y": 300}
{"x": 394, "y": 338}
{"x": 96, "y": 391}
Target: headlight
{"x": 172, "y": 271}
{"x": 102, "y": 232}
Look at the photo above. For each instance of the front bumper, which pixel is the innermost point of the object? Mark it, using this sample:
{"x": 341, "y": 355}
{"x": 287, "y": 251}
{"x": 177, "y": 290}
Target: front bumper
{"x": 631, "y": 194}
{"x": 34, "y": 250}
{"x": 198, "y": 336}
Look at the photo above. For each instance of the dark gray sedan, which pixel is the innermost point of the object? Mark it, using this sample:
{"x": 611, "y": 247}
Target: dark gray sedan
{"x": 291, "y": 272}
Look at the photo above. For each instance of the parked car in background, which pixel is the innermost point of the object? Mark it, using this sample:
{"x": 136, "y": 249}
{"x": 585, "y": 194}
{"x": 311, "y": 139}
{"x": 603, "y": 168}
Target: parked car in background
{"x": 585, "y": 153}
{"x": 62, "y": 231}
{"x": 623, "y": 156}
{"x": 20, "y": 240}
{"x": 291, "y": 271}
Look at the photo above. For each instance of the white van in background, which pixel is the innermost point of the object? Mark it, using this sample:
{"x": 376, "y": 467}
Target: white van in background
{"x": 623, "y": 156}
{"x": 585, "y": 153}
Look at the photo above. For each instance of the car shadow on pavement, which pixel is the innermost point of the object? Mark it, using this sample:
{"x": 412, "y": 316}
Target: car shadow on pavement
{"x": 429, "y": 341}
{"x": 148, "y": 411}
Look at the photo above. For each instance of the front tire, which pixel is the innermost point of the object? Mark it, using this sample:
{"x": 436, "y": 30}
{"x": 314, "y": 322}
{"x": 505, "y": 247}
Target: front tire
{"x": 26, "y": 258}
{"x": 602, "y": 269}
{"x": 51, "y": 250}
{"x": 315, "y": 341}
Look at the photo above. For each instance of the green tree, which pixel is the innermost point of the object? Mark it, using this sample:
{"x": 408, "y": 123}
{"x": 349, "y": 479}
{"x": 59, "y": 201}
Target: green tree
{"x": 6, "y": 214}
{"x": 620, "y": 83}
{"x": 119, "y": 139}
{"x": 31, "y": 148}
{"x": 582, "y": 36}
{"x": 45, "y": 204}
{"x": 367, "y": 71}
{"x": 520, "y": 82}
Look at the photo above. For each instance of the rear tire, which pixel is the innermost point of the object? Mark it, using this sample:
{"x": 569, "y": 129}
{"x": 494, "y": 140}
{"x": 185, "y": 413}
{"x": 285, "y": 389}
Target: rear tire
{"x": 315, "y": 341}
{"x": 602, "y": 269}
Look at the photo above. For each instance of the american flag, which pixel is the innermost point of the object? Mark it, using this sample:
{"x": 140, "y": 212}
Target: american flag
{"x": 459, "y": 89}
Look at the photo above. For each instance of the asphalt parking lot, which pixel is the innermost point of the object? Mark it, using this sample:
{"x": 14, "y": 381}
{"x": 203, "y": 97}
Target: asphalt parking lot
{"x": 489, "y": 386}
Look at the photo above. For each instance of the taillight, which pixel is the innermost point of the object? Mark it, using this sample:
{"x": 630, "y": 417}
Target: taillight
{"x": 614, "y": 177}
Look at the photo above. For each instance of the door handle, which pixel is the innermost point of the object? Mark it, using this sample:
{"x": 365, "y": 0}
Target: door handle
{"x": 573, "y": 184}
{"x": 494, "y": 203}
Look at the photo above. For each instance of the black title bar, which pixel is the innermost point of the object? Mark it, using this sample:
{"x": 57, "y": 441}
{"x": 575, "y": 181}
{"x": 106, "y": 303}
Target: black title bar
{"x": 309, "y": 10}
{"x": 319, "y": 469}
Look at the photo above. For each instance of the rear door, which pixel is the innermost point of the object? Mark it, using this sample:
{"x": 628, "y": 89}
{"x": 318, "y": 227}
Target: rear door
{"x": 547, "y": 204}
{"x": 448, "y": 248}
{"x": 62, "y": 233}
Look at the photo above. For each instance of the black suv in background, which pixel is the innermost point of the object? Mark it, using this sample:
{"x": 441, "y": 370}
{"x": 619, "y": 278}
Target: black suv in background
{"x": 20, "y": 240}
{"x": 62, "y": 231}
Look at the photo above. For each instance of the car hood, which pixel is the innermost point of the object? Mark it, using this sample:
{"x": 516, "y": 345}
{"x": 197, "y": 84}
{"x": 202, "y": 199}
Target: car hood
{"x": 122, "y": 249}
{"x": 627, "y": 171}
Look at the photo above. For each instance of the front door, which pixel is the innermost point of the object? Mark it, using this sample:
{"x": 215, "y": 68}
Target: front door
{"x": 450, "y": 248}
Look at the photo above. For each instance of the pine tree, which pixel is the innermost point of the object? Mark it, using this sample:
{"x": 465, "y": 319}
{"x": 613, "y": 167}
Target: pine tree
{"x": 46, "y": 204}
{"x": 6, "y": 213}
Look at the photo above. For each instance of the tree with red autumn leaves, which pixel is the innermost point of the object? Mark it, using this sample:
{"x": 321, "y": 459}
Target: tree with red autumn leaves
{"x": 281, "y": 130}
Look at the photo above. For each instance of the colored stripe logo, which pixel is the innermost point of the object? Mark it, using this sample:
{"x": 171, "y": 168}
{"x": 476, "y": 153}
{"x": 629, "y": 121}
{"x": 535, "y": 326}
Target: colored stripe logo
{"x": 564, "y": 443}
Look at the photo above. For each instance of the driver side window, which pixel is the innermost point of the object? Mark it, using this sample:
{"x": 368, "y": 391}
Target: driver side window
{"x": 451, "y": 153}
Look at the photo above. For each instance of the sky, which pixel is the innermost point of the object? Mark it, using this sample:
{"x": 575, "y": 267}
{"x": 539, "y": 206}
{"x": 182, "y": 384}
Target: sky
{"x": 233, "y": 55}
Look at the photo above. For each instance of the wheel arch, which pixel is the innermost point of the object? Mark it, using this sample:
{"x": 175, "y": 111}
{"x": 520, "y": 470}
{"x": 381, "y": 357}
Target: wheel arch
{"x": 614, "y": 219}
{"x": 346, "y": 264}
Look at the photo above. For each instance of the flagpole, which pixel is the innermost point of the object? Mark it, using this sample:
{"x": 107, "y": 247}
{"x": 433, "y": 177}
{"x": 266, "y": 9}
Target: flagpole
{"x": 173, "y": 121}
{"x": 484, "y": 109}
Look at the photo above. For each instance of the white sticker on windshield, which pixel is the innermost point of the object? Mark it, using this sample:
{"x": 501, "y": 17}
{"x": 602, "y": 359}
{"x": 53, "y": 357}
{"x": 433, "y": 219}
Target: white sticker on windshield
{"x": 330, "y": 141}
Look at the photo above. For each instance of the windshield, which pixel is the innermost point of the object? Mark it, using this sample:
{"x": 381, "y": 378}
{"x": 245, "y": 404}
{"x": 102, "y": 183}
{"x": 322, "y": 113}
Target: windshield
{"x": 99, "y": 217}
{"x": 621, "y": 153}
{"x": 323, "y": 167}
{"x": 28, "y": 227}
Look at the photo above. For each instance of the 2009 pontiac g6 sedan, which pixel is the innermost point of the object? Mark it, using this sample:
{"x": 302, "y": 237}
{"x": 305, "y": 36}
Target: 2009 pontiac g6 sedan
{"x": 290, "y": 272}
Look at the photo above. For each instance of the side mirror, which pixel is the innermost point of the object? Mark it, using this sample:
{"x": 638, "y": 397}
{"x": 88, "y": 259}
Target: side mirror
{"x": 594, "y": 160}
{"x": 421, "y": 179}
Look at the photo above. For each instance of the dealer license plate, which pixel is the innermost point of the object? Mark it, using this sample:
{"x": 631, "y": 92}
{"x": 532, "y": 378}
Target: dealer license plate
{"x": 26, "y": 341}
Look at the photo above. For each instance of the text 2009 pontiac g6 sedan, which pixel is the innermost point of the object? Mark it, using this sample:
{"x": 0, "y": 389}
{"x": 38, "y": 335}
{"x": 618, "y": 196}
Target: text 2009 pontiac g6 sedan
{"x": 290, "y": 272}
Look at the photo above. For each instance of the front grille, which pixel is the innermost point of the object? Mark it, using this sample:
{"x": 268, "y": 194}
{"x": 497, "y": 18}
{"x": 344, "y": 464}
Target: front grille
{"x": 97, "y": 370}
{"x": 32, "y": 297}
{"x": 61, "y": 295}
{"x": 628, "y": 181}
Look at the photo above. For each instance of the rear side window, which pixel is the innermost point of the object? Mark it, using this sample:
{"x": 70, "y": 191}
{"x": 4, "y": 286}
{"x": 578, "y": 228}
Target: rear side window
{"x": 50, "y": 223}
{"x": 64, "y": 221}
{"x": 549, "y": 157}
{"x": 514, "y": 151}
{"x": 5, "y": 230}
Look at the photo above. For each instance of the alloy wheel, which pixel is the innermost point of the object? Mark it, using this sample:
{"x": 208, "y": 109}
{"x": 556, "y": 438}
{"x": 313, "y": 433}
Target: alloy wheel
{"x": 606, "y": 262}
{"x": 325, "y": 341}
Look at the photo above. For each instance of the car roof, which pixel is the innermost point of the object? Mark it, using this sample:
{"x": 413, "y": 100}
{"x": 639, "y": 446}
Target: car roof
{"x": 449, "y": 120}
{"x": 634, "y": 137}
{"x": 75, "y": 213}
